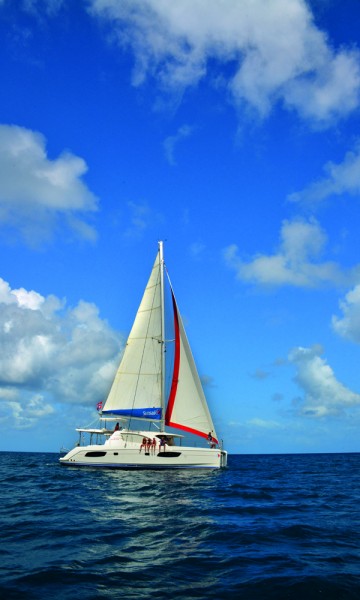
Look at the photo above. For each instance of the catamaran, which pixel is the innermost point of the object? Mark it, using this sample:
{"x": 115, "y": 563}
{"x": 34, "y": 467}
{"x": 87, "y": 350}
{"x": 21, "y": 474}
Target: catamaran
{"x": 158, "y": 386}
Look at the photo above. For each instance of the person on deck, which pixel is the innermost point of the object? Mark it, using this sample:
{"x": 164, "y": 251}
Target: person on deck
{"x": 211, "y": 440}
{"x": 143, "y": 444}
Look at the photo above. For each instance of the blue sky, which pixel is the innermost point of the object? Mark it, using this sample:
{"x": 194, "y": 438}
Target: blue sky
{"x": 228, "y": 128}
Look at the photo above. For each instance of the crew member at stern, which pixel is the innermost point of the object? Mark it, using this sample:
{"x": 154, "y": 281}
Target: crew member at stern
{"x": 211, "y": 440}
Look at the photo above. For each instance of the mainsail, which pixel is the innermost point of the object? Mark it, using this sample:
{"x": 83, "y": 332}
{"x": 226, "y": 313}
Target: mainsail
{"x": 136, "y": 390}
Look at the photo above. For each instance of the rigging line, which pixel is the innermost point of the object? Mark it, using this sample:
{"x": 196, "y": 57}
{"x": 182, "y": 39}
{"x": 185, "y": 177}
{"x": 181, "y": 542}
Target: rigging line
{"x": 92, "y": 423}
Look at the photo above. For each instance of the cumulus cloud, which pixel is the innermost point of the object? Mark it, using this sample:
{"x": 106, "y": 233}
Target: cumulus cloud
{"x": 324, "y": 395}
{"x": 26, "y": 414}
{"x": 341, "y": 178}
{"x": 297, "y": 261}
{"x": 37, "y": 193}
{"x": 51, "y": 354}
{"x": 348, "y": 326}
{"x": 262, "y": 52}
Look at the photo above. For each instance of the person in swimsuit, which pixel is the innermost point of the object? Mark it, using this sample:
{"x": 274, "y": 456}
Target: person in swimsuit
{"x": 153, "y": 446}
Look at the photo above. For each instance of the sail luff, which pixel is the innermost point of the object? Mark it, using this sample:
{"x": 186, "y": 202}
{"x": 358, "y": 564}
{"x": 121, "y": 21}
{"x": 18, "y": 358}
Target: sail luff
{"x": 175, "y": 377}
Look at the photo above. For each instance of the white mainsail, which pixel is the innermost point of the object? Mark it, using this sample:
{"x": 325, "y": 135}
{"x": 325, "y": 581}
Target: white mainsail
{"x": 136, "y": 390}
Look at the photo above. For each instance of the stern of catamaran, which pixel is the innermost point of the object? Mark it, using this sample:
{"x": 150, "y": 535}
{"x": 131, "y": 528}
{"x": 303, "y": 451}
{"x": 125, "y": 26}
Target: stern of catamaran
{"x": 223, "y": 459}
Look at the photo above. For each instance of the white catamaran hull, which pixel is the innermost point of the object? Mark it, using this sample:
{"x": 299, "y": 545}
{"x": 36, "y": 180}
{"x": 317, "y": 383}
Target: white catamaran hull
{"x": 128, "y": 458}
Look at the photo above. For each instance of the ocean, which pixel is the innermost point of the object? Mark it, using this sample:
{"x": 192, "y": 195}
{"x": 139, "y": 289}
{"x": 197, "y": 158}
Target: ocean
{"x": 267, "y": 527}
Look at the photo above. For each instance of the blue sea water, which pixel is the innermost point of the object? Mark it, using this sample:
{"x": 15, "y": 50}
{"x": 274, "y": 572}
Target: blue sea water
{"x": 267, "y": 527}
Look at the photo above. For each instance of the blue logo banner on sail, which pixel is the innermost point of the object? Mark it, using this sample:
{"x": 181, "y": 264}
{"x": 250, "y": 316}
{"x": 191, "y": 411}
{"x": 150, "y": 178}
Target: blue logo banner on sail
{"x": 140, "y": 413}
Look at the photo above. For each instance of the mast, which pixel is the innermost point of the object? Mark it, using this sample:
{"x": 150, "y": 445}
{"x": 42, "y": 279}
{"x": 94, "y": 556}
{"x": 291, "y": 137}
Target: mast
{"x": 162, "y": 340}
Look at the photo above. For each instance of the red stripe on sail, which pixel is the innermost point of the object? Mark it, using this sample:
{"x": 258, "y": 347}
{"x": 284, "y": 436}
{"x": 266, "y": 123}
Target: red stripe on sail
{"x": 175, "y": 377}
{"x": 190, "y": 430}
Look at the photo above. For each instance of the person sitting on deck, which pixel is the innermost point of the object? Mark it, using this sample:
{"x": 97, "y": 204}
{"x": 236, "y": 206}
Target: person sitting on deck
{"x": 143, "y": 444}
{"x": 153, "y": 446}
{"x": 148, "y": 445}
{"x": 162, "y": 444}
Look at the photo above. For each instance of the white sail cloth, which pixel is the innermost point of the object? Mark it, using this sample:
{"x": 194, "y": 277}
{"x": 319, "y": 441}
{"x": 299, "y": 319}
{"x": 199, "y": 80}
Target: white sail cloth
{"x": 136, "y": 390}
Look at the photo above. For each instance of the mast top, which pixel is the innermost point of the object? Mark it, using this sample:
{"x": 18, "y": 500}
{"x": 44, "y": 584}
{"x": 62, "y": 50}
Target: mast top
{"x": 161, "y": 250}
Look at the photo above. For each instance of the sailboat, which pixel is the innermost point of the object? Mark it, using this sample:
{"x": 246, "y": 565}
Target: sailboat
{"x": 156, "y": 398}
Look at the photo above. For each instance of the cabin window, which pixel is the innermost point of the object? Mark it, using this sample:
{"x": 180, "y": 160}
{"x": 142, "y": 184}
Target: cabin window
{"x": 95, "y": 454}
{"x": 169, "y": 454}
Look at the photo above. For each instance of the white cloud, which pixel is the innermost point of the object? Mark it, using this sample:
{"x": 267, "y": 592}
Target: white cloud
{"x": 324, "y": 395}
{"x": 263, "y": 423}
{"x": 172, "y": 141}
{"x": 21, "y": 296}
{"x": 25, "y": 413}
{"x": 141, "y": 217}
{"x": 341, "y": 178}
{"x": 51, "y": 354}
{"x": 296, "y": 263}
{"x": 349, "y": 325}
{"x": 197, "y": 249}
{"x": 39, "y": 7}
{"x": 263, "y": 52}
{"x": 38, "y": 193}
